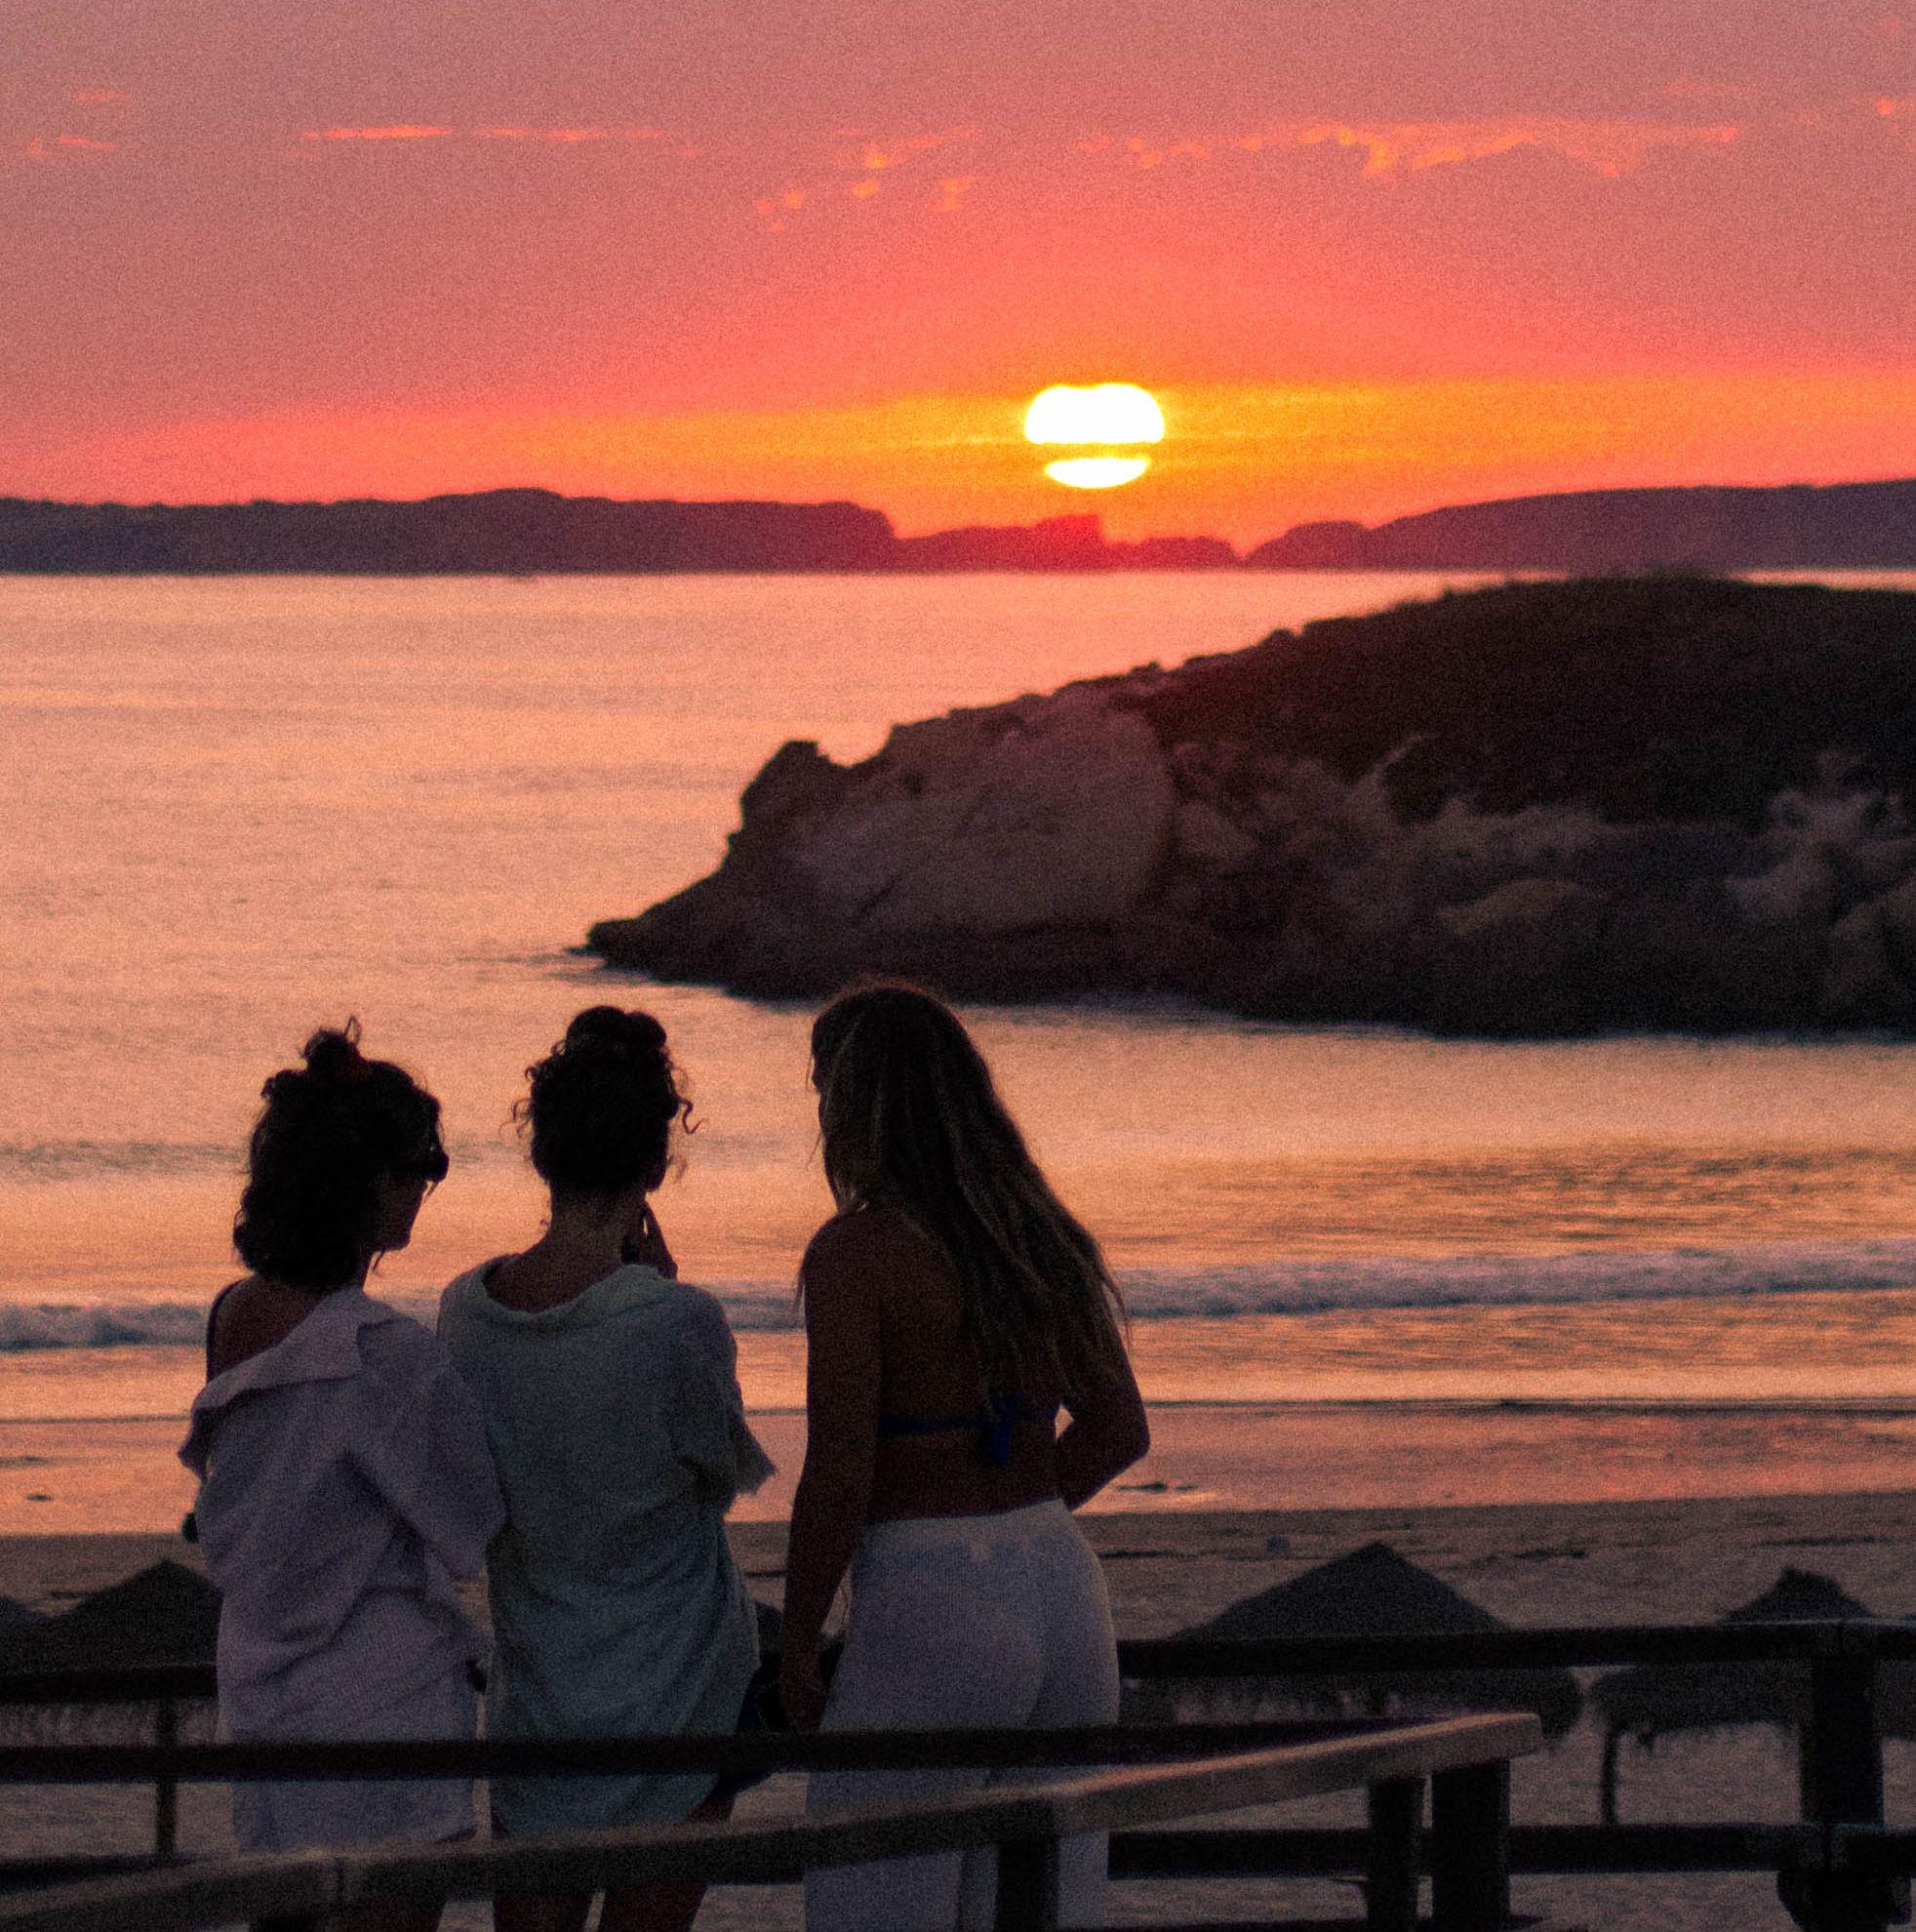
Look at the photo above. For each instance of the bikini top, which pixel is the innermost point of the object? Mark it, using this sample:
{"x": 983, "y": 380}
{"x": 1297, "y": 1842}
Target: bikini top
{"x": 1000, "y": 1416}
{"x": 211, "y": 1317}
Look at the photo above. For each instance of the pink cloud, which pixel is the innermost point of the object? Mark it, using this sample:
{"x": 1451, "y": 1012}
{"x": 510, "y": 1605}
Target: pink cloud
{"x": 1611, "y": 149}
{"x": 64, "y": 147}
{"x": 96, "y": 97}
{"x": 875, "y": 156}
{"x": 772, "y": 209}
{"x": 568, "y": 136}
{"x": 401, "y": 133}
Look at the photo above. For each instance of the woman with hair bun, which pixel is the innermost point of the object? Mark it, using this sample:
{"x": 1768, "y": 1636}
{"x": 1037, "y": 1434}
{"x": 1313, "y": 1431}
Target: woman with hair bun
{"x": 953, "y": 1307}
{"x": 611, "y": 1403}
{"x": 345, "y": 1484}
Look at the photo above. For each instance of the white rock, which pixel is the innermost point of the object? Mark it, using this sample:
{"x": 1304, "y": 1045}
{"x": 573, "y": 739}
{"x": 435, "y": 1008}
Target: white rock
{"x": 1206, "y": 837}
{"x": 1061, "y": 820}
{"x": 1896, "y": 909}
{"x": 1521, "y": 904}
{"x": 1800, "y": 885}
{"x": 1857, "y": 975}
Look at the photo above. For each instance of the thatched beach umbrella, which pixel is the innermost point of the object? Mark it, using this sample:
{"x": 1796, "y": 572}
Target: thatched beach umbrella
{"x": 1374, "y": 1591}
{"x": 15, "y": 1614}
{"x": 164, "y": 1614}
{"x": 1652, "y": 1701}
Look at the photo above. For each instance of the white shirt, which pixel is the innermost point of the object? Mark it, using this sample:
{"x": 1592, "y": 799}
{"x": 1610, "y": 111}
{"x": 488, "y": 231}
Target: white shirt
{"x": 347, "y": 1486}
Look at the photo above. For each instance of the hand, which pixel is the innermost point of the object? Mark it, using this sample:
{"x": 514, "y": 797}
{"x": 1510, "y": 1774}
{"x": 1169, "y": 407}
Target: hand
{"x": 645, "y": 1246}
{"x": 801, "y": 1687}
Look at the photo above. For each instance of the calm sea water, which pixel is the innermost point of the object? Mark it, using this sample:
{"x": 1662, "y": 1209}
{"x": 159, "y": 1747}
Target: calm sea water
{"x": 232, "y": 810}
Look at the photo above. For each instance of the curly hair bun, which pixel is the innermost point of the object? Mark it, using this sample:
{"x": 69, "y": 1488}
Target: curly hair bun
{"x": 333, "y": 1128}
{"x": 617, "y": 1033}
{"x": 603, "y": 1103}
{"x": 332, "y": 1056}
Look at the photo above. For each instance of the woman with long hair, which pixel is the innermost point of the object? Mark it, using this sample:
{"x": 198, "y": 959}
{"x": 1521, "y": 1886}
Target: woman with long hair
{"x": 345, "y": 1487}
{"x": 611, "y": 1403}
{"x": 953, "y": 1309}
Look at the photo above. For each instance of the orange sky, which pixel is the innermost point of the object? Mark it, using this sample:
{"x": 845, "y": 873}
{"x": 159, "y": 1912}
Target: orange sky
{"x": 1371, "y": 258}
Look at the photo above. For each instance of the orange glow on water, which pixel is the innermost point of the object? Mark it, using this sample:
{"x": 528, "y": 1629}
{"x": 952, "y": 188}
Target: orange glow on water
{"x": 1098, "y": 472}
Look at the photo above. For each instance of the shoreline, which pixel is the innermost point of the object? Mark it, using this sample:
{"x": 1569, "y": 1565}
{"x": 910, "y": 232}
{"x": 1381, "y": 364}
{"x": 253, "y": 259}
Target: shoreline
{"x": 1641, "y": 1559}
{"x": 95, "y": 1475}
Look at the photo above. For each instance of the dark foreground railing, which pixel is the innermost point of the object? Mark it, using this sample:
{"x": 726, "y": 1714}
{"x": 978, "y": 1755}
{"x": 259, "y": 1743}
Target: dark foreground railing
{"x": 1465, "y": 1760}
{"x": 1836, "y": 1868}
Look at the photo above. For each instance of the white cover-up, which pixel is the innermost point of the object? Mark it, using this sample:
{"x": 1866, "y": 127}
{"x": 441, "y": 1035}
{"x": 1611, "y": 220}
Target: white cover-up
{"x": 621, "y": 1439}
{"x": 345, "y": 1486}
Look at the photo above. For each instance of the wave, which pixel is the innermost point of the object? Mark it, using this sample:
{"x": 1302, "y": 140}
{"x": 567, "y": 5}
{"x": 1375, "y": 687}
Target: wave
{"x": 88, "y": 1160}
{"x": 1380, "y": 1283}
{"x": 27, "y": 1328}
{"x": 1362, "y": 1285}
{"x": 65, "y": 1160}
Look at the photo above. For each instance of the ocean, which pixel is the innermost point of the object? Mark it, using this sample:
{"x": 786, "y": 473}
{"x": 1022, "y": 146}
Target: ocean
{"x": 1357, "y": 1261}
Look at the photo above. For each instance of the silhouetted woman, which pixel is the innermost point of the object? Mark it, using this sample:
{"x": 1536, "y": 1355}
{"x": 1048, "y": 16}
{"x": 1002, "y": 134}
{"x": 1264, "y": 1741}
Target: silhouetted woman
{"x": 953, "y": 1307}
{"x": 613, "y": 1407}
{"x": 345, "y": 1484}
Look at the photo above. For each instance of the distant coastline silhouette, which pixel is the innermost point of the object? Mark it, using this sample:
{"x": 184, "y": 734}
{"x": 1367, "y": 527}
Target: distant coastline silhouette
{"x": 1845, "y": 526}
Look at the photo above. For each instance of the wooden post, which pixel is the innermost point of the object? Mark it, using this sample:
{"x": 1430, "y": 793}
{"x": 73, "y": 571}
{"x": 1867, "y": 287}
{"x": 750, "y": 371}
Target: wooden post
{"x": 165, "y": 1786}
{"x": 1394, "y": 1865}
{"x": 1606, "y": 1776}
{"x": 1842, "y": 1776}
{"x": 1470, "y": 1849}
{"x": 1028, "y": 1885}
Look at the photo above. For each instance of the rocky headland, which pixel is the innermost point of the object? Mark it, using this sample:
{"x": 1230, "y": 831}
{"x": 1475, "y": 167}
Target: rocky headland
{"x": 1837, "y": 526}
{"x": 1538, "y": 809}
{"x": 536, "y": 532}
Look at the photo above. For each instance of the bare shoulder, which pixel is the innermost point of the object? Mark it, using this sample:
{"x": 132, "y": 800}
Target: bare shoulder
{"x": 869, "y": 1242}
{"x": 244, "y": 1319}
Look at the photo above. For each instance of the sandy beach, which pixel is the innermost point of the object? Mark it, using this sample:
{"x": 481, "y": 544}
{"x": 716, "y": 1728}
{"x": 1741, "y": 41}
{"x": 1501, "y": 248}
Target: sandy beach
{"x": 1675, "y": 1561}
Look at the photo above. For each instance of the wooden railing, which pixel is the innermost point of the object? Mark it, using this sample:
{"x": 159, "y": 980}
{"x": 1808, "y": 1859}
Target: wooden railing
{"x": 1837, "y": 1862}
{"x": 1465, "y": 1760}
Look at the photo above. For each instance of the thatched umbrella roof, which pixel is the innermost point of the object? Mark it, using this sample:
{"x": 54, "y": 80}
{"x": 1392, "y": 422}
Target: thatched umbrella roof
{"x": 1652, "y": 1701}
{"x": 1374, "y": 1591}
{"x": 164, "y": 1614}
{"x": 15, "y": 1614}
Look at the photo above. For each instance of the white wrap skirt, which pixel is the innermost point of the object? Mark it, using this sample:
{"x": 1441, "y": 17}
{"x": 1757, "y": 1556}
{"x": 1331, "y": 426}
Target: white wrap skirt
{"x": 974, "y": 1622}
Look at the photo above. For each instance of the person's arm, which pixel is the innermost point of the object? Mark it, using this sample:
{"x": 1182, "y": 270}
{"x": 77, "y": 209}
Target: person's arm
{"x": 707, "y": 1422}
{"x": 645, "y": 1245}
{"x": 1109, "y": 1431}
{"x": 842, "y": 1381}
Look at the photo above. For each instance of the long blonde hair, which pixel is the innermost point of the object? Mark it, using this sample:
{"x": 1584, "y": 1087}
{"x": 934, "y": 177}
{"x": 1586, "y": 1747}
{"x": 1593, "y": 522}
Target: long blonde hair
{"x": 910, "y": 1116}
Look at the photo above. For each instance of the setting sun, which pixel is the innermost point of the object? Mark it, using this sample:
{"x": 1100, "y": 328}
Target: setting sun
{"x": 1110, "y": 417}
{"x": 1097, "y": 473}
{"x": 1105, "y": 413}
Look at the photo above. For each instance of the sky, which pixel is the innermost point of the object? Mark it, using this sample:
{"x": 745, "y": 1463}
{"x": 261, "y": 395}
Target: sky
{"x": 1371, "y": 255}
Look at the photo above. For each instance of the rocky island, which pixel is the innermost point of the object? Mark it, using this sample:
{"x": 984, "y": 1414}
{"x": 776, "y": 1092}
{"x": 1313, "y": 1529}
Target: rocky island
{"x": 1535, "y": 809}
